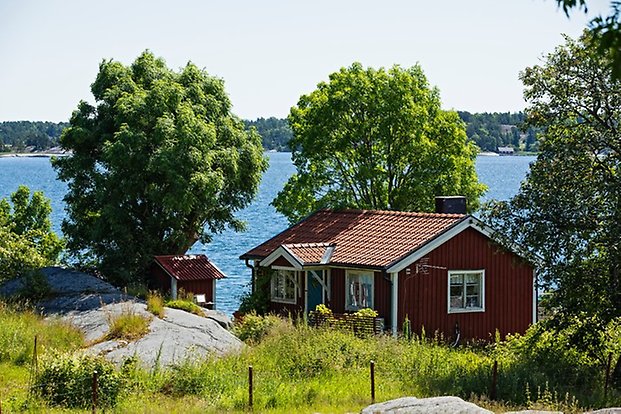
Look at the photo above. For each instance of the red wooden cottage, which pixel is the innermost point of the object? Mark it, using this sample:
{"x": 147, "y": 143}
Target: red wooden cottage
{"x": 193, "y": 273}
{"x": 439, "y": 270}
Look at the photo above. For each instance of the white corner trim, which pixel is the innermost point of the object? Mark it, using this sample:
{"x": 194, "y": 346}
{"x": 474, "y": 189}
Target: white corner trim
{"x": 287, "y": 254}
{"x": 448, "y": 291}
{"x": 467, "y": 222}
{"x": 394, "y": 278}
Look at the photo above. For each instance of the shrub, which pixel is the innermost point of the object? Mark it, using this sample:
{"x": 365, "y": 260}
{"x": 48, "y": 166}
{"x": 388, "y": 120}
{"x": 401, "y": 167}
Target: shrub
{"x": 67, "y": 381}
{"x": 366, "y": 313}
{"x": 34, "y": 286}
{"x": 127, "y": 325}
{"x": 155, "y": 304}
{"x": 252, "y": 328}
{"x": 187, "y": 306}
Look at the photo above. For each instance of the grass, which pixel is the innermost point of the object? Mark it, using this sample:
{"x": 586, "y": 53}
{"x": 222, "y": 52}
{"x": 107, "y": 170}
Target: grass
{"x": 306, "y": 370}
{"x": 127, "y": 325}
{"x": 155, "y": 304}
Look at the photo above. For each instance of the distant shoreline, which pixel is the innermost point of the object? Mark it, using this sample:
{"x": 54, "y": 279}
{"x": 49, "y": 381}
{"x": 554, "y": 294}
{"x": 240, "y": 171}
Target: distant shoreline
{"x": 31, "y": 155}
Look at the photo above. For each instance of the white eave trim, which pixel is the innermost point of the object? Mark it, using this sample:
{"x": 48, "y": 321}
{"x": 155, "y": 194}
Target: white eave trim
{"x": 283, "y": 251}
{"x": 467, "y": 222}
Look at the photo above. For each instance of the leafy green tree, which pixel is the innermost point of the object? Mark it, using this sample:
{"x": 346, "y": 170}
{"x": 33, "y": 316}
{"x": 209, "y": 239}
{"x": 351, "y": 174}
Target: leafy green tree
{"x": 376, "y": 139}
{"x": 159, "y": 163}
{"x": 26, "y": 238}
{"x": 568, "y": 210}
{"x": 606, "y": 32}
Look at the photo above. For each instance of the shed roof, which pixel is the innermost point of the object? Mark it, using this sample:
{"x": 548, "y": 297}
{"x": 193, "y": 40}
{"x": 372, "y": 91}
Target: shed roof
{"x": 189, "y": 267}
{"x": 369, "y": 238}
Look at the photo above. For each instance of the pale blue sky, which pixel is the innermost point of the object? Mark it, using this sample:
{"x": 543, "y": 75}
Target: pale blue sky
{"x": 270, "y": 52}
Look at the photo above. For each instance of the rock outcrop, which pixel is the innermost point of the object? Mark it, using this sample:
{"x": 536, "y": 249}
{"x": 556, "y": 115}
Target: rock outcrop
{"x": 89, "y": 304}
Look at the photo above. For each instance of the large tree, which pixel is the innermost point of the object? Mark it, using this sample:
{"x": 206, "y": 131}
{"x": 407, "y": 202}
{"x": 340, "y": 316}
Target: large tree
{"x": 159, "y": 163}
{"x": 568, "y": 210}
{"x": 606, "y": 32}
{"x": 376, "y": 139}
{"x": 27, "y": 241}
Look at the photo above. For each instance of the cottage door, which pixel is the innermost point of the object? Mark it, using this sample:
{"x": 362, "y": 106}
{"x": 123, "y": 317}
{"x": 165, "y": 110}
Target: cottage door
{"x": 314, "y": 281}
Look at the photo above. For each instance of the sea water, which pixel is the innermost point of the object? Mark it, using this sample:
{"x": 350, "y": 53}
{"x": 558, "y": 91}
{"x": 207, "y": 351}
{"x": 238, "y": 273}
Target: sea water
{"x": 502, "y": 175}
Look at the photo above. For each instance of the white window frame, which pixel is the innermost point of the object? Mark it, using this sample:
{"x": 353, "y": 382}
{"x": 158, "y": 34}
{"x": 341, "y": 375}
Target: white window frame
{"x": 481, "y": 308}
{"x": 289, "y": 275}
{"x": 355, "y": 273}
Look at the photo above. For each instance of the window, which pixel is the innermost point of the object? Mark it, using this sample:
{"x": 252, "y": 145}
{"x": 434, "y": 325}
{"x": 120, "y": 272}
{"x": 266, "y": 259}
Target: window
{"x": 283, "y": 286}
{"x": 359, "y": 290}
{"x": 466, "y": 291}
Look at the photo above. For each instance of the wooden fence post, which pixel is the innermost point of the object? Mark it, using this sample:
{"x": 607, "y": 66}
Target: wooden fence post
{"x": 250, "y": 386}
{"x": 492, "y": 391}
{"x": 372, "y": 382}
{"x": 607, "y": 379}
{"x": 94, "y": 392}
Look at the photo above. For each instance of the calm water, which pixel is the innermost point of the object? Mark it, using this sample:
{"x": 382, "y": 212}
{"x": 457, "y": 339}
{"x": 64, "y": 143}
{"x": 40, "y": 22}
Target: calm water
{"x": 501, "y": 174}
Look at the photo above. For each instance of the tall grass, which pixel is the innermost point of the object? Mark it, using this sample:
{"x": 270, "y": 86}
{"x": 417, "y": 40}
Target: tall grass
{"x": 127, "y": 325}
{"x": 18, "y": 327}
{"x": 155, "y": 304}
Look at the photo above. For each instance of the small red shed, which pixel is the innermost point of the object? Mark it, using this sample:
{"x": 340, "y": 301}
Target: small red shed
{"x": 193, "y": 273}
{"x": 438, "y": 270}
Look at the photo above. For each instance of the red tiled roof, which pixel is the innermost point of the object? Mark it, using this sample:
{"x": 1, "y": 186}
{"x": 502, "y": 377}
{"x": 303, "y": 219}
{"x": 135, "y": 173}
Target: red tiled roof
{"x": 361, "y": 237}
{"x": 189, "y": 267}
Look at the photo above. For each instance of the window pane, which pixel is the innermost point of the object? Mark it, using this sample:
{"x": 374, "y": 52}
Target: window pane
{"x": 465, "y": 290}
{"x": 359, "y": 292}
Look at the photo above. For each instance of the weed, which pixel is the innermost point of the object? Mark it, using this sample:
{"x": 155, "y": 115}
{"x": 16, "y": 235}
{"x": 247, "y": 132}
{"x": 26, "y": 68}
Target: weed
{"x": 155, "y": 304}
{"x": 127, "y": 325}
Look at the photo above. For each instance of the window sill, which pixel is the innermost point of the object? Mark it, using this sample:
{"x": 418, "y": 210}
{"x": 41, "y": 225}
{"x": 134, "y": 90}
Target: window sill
{"x": 467, "y": 310}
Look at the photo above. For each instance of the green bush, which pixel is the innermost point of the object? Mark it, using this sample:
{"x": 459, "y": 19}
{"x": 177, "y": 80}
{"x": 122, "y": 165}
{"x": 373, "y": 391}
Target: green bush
{"x": 252, "y": 327}
{"x": 187, "y": 306}
{"x": 67, "y": 380}
{"x": 35, "y": 286}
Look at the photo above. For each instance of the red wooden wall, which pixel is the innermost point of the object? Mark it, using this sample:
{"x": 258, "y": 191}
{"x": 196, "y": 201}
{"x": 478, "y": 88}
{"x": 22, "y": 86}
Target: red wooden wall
{"x": 508, "y": 290}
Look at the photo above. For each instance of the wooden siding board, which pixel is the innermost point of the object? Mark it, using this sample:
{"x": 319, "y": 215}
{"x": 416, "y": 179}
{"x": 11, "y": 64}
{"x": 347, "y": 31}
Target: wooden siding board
{"x": 508, "y": 290}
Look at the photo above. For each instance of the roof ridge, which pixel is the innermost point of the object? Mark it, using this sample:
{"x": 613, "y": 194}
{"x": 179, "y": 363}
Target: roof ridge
{"x": 396, "y": 213}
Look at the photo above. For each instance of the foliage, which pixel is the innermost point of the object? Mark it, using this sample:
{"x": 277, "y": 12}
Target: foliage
{"x": 252, "y": 327}
{"x": 18, "y": 327}
{"x": 67, "y": 380}
{"x": 606, "y": 31}
{"x": 492, "y": 130}
{"x": 323, "y": 310}
{"x": 127, "y": 325}
{"x": 256, "y": 300}
{"x": 366, "y": 313}
{"x": 26, "y": 238}
{"x": 275, "y": 133}
{"x": 376, "y": 139}
{"x": 34, "y": 286}
{"x": 155, "y": 304}
{"x": 568, "y": 210}
{"x": 159, "y": 163}
{"x": 21, "y": 134}
{"x": 186, "y": 305}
